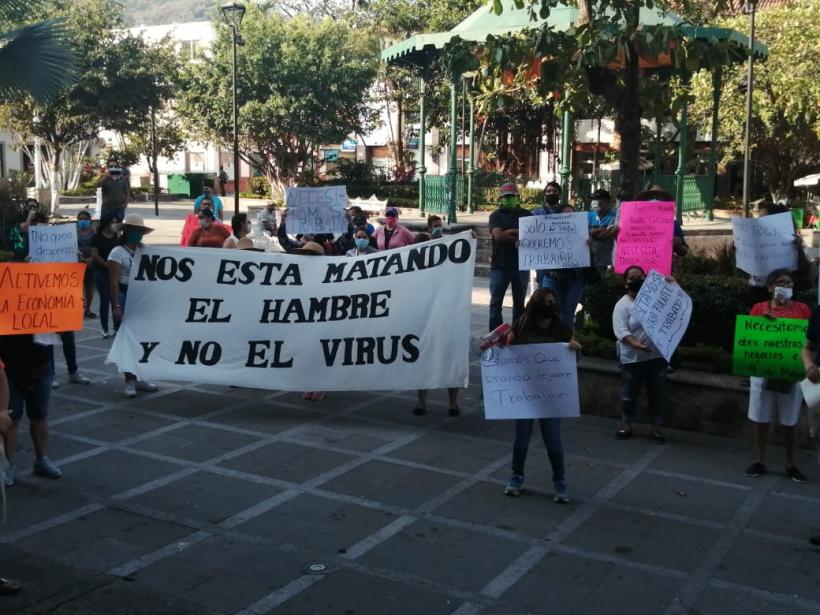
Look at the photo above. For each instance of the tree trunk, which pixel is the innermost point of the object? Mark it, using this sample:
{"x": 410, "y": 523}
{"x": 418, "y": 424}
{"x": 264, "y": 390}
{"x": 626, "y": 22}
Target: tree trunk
{"x": 584, "y": 13}
{"x": 56, "y": 180}
{"x": 628, "y": 123}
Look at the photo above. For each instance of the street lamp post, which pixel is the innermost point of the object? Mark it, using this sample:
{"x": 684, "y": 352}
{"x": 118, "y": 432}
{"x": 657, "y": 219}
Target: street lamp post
{"x": 749, "y": 7}
{"x": 233, "y": 12}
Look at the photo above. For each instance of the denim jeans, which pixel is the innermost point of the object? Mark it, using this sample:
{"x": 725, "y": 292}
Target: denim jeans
{"x": 69, "y": 352}
{"x": 569, "y": 294}
{"x": 35, "y": 400}
{"x": 500, "y": 279}
{"x": 103, "y": 285}
{"x": 551, "y": 434}
{"x": 652, "y": 374}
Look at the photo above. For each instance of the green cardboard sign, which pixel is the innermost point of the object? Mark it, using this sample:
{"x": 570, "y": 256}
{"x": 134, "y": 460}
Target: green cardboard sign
{"x": 798, "y": 215}
{"x": 769, "y": 348}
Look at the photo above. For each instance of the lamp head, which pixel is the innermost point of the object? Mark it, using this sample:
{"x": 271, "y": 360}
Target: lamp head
{"x": 233, "y": 12}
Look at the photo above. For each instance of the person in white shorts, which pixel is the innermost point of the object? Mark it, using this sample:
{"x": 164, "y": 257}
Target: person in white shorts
{"x": 771, "y": 399}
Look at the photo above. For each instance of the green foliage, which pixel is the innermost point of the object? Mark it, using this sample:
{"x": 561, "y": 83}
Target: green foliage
{"x": 786, "y": 117}
{"x": 530, "y": 198}
{"x": 138, "y": 12}
{"x": 260, "y": 187}
{"x": 353, "y": 172}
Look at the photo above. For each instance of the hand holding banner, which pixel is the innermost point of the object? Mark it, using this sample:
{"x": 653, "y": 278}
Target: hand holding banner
{"x": 645, "y": 236}
{"x": 765, "y": 244}
{"x": 316, "y": 210}
{"x": 530, "y": 381}
{"x": 557, "y": 241}
{"x": 769, "y": 348}
{"x": 52, "y": 243}
{"x": 41, "y": 298}
{"x": 664, "y": 310}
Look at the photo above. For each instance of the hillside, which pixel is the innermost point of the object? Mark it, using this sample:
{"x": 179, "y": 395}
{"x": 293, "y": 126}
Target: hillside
{"x": 153, "y": 12}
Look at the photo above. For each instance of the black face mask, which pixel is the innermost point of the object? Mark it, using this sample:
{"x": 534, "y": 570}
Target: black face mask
{"x": 544, "y": 310}
{"x": 635, "y": 285}
{"x": 552, "y": 199}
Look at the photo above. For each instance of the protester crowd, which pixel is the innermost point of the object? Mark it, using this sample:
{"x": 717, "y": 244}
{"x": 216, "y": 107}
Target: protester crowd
{"x": 549, "y": 316}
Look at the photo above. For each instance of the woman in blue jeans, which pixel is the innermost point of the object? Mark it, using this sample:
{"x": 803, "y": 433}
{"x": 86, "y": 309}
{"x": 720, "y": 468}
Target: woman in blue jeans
{"x": 540, "y": 324}
{"x": 105, "y": 239}
{"x": 641, "y": 363}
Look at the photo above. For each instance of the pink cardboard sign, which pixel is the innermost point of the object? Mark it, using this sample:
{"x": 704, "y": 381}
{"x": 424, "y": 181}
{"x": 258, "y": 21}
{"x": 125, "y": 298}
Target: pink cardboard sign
{"x": 645, "y": 236}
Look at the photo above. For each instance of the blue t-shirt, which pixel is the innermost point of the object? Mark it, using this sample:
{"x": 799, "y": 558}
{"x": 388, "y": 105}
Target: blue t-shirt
{"x": 214, "y": 199}
{"x": 596, "y": 221}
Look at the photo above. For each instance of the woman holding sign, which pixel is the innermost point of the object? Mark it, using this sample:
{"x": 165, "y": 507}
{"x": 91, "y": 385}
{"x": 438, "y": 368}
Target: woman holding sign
{"x": 641, "y": 363}
{"x": 770, "y": 398}
{"x": 540, "y": 324}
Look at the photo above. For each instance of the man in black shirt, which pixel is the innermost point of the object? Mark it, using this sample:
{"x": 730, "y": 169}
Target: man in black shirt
{"x": 504, "y": 265}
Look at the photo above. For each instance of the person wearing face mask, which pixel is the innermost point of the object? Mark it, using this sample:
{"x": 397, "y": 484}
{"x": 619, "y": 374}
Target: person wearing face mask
{"x": 393, "y": 234}
{"x": 120, "y": 262}
{"x": 209, "y": 234}
{"x": 602, "y": 229}
{"x": 85, "y": 235}
{"x": 540, "y": 324}
{"x": 639, "y": 360}
{"x": 769, "y": 398}
{"x": 241, "y": 228}
{"x": 215, "y": 201}
{"x": 435, "y": 227}
{"x": 114, "y": 192}
{"x": 105, "y": 239}
{"x": 504, "y": 261}
{"x": 361, "y": 240}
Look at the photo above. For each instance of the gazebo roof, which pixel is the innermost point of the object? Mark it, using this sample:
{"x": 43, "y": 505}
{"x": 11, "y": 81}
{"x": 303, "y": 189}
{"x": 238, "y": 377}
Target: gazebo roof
{"x": 483, "y": 23}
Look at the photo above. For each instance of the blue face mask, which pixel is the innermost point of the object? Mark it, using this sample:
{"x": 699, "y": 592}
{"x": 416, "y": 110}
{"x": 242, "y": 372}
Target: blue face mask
{"x": 134, "y": 236}
{"x": 362, "y": 242}
{"x": 84, "y": 224}
{"x": 437, "y": 231}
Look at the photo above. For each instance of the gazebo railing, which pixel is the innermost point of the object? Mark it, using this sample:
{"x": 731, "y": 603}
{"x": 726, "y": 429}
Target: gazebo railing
{"x": 698, "y": 190}
{"x": 437, "y": 193}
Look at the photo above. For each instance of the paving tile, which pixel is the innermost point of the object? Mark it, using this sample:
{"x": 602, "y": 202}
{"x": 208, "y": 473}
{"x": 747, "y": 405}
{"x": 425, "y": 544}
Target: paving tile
{"x": 474, "y": 424}
{"x": 206, "y": 497}
{"x": 195, "y": 443}
{"x": 34, "y": 500}
{"x": 644, "y": 538}
{"x": 350, "y": 592}
{"x": 104, "y": 539}
{"x": 450, "y": 453}
{"x": 190, "y": 403}
{"x": 786, "y": 516}
{"x": 266, "y": 417}
{"x": 286, "y": 461}
{"x": 113, "y": 425}
{"x": 351, "y": 433}
{"x": 61, "y": 406}
{"x": 445, "y": 554}
{"x": 391, "y": 484}
{"x": 59, "y": 447}
{"x": 716, "y": 601}
{"x": 317, "y": 525}
{"x": 112, "y": 472}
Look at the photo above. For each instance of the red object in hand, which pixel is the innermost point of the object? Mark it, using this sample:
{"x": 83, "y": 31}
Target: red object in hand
{"x": 495, "y": 336}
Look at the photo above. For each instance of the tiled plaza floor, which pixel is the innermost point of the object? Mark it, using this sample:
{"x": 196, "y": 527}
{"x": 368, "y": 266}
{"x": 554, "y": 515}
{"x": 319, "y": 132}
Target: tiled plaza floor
{"x": 204, "y": 499}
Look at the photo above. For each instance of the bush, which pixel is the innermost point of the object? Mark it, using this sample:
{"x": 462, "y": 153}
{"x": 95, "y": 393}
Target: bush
{"x": 530, "y": 198}
{"x": 259, "y": 188}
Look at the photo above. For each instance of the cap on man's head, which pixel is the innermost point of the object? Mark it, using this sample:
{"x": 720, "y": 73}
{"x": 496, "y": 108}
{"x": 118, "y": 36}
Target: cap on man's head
{"x": 601, "y": 195}
{"x": 391, "y": 212}
{"x": 509, "y": 189}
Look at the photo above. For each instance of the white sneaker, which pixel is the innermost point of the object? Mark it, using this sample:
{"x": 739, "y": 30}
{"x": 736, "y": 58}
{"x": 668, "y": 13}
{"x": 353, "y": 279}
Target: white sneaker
{"x": 55, "y": 384}
{"x": 130, "y": 390}
{"x": 78, "y": 378}
{"x": 146, "y": 387}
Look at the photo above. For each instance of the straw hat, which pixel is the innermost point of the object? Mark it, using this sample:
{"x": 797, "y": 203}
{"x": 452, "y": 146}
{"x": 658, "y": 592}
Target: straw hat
{"x": 136, "y": 221}
{"x": 311, "y": 248}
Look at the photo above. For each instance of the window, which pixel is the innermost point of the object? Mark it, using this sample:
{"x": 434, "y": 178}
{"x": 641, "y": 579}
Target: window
{"x": 188, "y": 49}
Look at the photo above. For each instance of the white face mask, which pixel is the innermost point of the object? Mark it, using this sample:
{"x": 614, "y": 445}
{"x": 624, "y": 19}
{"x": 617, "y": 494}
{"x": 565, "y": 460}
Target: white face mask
{"x": 593, "y": 204}
{"x": 782, "y": 293}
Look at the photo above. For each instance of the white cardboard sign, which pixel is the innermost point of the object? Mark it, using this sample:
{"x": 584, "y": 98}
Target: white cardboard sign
{"x": 765, "y": 244}
{"x": 664, "y": 310}
{"x": 316, "y": 210}
{"x": 556, "y": 241}
{"x": 52, "y": 244}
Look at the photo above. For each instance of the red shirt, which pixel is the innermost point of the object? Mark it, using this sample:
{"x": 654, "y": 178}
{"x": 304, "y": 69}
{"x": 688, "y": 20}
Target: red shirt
{"x": 795, "y": 310}
{"x": 213, "y": 237}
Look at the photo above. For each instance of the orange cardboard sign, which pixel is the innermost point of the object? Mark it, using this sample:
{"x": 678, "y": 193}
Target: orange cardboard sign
{"x": 41, "y": 297}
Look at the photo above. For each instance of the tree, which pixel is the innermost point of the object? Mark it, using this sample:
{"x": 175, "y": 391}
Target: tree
{"x": 109, "y": 92}
{"x": 302, "y": 84}
{"x": 785, "y": 114}
{"x": 35, "y": 59}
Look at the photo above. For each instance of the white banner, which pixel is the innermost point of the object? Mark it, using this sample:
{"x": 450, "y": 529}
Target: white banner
{"x": 386, "y": 321}
{"x": 53, "y": 244}
{"x": 316, "y": 210}
{"x": 530, "y": 381}
{"x": 664, "y": 310}
{"x": 557, "y": 241}
{"x": 765, "y": 244}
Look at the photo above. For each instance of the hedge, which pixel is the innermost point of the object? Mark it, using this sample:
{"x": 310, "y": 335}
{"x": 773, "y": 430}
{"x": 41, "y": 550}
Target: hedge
{"x": 716, "y": 300}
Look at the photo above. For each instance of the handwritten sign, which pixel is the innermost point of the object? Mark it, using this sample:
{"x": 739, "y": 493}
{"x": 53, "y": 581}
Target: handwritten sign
{"x": 316, "y": 210}
{"x": 557, "y": 241}
{"x": 769, "y": 348}
{"x": 645, "y": 236}
{"x": 52, "y": 244}
{"x": 41, "y": 298}
{"x": 530, "y": 381}
{"x": 664, "y": 310}
{"x": 765, "y": 244}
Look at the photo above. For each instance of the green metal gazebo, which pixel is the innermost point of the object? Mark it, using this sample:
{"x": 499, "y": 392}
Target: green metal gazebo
{"x": 441, "y": 193}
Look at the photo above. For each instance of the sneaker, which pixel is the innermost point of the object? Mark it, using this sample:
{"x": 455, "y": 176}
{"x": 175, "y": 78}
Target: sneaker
{"x": 796, "y": 475}
{"x": 55, "y": 384}
{"x": 78, "y": 378}
{"x": 43, "y": 467}
{"x": 513, "y": 487}
{"x": 130, "y": 390}
{"x": 560, "y": 495}
{"x": 146, "y": 387}
{"x": 755, "y": 470}
{"x": 11, "y": 475}
{"x": 105, "y": 335}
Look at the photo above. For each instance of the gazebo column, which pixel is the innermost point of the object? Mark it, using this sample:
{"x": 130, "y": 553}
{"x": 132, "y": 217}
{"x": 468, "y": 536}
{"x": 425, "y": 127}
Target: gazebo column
{"x": 471, "y": 164}
{"x": 452, "y": 171}
{"x": 717, "y": 88}
{"x": 566, "y": 149}
{"x": 680, "y": 172}
{"x": 658, "y": 147}
{"x": 422, "y": 151}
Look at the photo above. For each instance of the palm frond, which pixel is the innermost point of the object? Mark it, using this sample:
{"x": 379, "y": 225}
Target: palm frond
{"x": 16, "y": 11}
{"x": 36, "y": 60}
